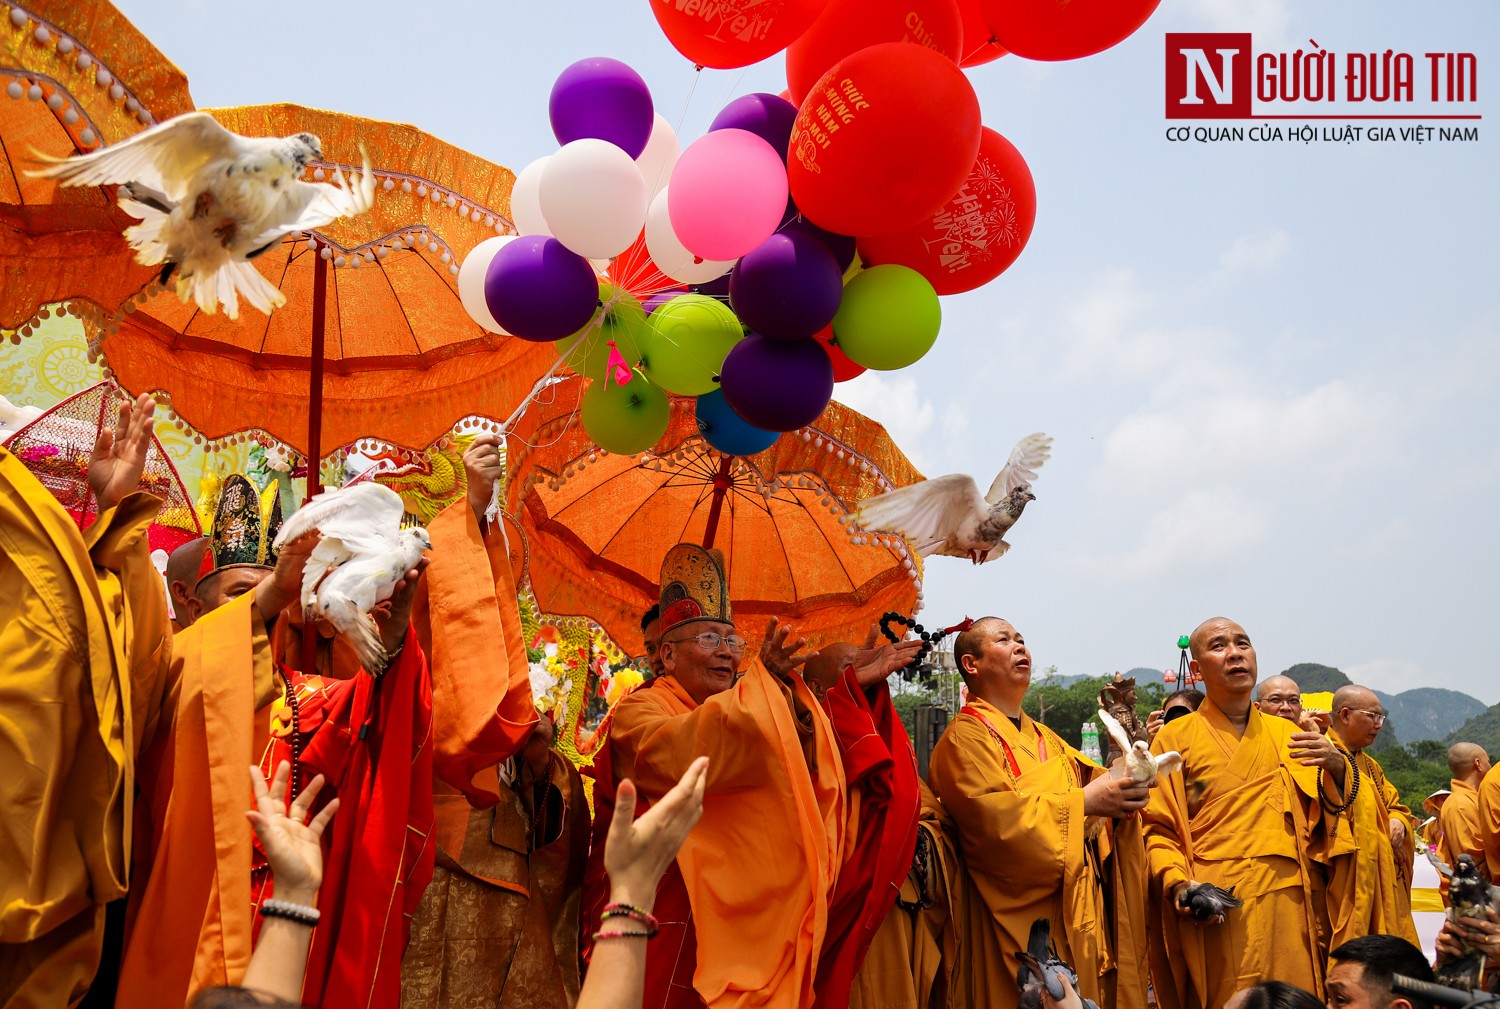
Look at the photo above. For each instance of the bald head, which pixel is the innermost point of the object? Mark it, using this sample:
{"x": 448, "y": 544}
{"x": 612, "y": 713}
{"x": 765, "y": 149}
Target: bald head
{"x": 1357, "y": 715}
{"x": 182, "y": 574}
{"x": 971, "y": 642}
{"x": 1279, "y": 696}
{"x": 823, "y": 669}
{"x": 1468, "y": 762}
{"x": 1225, "y": 659}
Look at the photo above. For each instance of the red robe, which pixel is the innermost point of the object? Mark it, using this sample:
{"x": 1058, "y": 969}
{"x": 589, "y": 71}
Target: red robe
{"x": 378, "y": 852}
{"x": 885, "y": 803}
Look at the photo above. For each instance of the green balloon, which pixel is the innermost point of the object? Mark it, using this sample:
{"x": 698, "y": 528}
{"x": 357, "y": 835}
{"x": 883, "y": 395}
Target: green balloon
{"x": 686, "y": 342}
{"x": 888, "y": 319}
{"x": 620, "y": 318}
{"x": 625, "y": 419}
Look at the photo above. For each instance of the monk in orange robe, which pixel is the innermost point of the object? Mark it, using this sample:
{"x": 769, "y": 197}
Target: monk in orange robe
{"x": 744, "y": 911}
{"x": 1458, "y": 819}
{"x": 1384, "y": 831}
{"x": 1258, "y": 807}
{"x": 1489, "y": 821}
{"x": 1045, "y": 833}
{"x": 86, "y": 642}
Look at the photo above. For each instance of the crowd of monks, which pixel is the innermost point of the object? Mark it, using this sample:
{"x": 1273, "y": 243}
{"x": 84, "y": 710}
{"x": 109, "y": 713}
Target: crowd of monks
{"x": 465, "y": 866}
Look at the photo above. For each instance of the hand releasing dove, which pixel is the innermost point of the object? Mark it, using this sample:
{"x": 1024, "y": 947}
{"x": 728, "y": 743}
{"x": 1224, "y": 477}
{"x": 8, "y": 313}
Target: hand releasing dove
{"x": 1206, "y": 902}
{"x": 946, "y": 515}
{"x": 363, "y": 555}
{"x": 1469, "y": 896}
{"x": 1140, "y": 763}
{"x": 1044, "y": 979}
{"x": 209, "y": 201}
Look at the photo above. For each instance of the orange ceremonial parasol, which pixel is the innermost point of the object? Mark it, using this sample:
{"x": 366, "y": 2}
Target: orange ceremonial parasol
{"x": 73, "y": 74}
{"x": 597, "y": 525}
{"x": 373, "y": 341}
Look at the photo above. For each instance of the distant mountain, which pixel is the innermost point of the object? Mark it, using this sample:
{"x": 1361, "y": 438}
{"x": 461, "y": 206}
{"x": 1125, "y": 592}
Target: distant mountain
{"x": 1315, "y": 678}
{"x": 1483, "y": 729}
{"x": 1430, "y": 712}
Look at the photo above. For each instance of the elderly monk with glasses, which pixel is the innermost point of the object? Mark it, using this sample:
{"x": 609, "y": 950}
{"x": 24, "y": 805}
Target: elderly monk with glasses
{"x": 779, "y": 877}
{"x": 1383, "y": 828}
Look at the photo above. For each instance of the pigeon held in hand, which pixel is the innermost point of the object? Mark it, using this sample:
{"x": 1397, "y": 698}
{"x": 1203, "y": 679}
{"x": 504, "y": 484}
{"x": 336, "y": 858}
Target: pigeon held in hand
{"x": 1469, "y": 896}
{"x": 1043, "y": 978}
{"x": 210, "y": 201}
{"x": 1210, "y": 903}
{"x": 363, "y": 556}
{"x": 947, "y": 515}
{"x": 1140, "y": 763}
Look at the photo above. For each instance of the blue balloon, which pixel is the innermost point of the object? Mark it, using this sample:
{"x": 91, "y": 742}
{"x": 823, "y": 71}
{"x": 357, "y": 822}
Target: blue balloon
{"x": 726, "y": 430}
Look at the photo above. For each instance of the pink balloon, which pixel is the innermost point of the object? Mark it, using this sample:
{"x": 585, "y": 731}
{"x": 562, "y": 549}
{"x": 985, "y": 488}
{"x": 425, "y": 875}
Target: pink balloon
{"x": 727, "y": 195}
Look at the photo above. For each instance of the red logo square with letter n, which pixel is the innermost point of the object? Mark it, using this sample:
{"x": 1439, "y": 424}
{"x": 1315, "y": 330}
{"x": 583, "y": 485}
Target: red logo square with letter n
{"x": 1208, "y": 75}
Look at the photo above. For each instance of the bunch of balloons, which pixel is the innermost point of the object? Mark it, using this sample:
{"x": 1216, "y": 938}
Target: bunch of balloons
{"x": 793, "y": 245}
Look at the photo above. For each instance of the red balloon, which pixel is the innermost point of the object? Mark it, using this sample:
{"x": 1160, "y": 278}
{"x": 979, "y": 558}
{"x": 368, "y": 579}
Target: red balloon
{"x": 977, "y": 234}
{"x": 733, "y": 33}
{"x": 636, "y": 271}
{"x": 1063, "y": 29}
{"x": 843, "y": 368}
{"x": 882, "y": 140}
{"x": 979, "y": 42}
{"x": 847, "y": 26}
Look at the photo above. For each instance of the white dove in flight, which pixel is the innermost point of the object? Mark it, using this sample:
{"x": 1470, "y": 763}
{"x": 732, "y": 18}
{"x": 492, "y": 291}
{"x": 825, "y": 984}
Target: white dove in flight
{"x": 947, "y": 516}
{"x": 209, "y": 201}
{"x": 1140, "y": 763}
{"x": 363, "y": 555}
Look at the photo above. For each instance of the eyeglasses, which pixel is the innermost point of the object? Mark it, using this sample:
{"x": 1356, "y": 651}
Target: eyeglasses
{"x": 1377, "y": 717}
{"x": 710, "y": 642}
{"x": 1278, "y": 700}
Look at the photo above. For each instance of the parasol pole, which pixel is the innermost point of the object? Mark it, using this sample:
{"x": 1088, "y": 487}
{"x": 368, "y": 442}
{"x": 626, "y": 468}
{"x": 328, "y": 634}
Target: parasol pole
{"x": 721, "y": 487}
{"x": 315, "y": 424}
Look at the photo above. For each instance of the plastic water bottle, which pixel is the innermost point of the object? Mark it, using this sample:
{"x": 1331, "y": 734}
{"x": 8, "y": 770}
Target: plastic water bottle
{"x": 1090, "y": 740}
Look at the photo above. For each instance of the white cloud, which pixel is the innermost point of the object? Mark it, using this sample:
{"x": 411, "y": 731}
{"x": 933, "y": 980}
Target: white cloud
{"x": 1253, "y": 254}
{"x": 1172, "y": 540}
{"x": 895, "y": 402}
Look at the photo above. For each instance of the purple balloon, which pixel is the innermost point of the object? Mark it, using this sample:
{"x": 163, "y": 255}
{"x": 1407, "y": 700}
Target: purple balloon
{"x": 777, "y": 385}
{"x": 538, "y": 290}
{"x": 788, "y": 287}
{"x": 769, "y": 117}
{"x": 660, "y": 298}
{"x": 602, "y": 99}
{"x": 842, "y": 246}
{"x": 716, "y": 288}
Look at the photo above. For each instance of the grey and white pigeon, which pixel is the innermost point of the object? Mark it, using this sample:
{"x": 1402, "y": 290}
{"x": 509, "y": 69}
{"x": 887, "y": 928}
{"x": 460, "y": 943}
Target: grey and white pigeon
{"x": 363, "y": 555}
{"x": 1043, "y": 978}
{"x": 1140, "y": 763}
{"x": 1469, "y": 896}
{"x": 209, "y": 201}
{"x": 1207, "y": 902}
{"x": 946, "y": 515}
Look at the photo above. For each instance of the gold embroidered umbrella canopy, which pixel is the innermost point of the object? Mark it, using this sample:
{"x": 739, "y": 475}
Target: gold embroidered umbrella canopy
{"x": 400, "y": 359}
{"x": 597, "y": 525}
{"x": 73, "y": 74}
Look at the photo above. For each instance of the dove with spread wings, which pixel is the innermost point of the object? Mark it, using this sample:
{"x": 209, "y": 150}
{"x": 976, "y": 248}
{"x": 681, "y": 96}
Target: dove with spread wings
{"x": 1140, "y": 763}
{"x": 209, "y": 201}
{"x": 946, "y": 515}
{"x": 363, "y": 556}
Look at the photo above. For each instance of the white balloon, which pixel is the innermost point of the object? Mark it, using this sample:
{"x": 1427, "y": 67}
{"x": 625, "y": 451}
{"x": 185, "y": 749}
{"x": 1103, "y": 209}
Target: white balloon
{"x": 471, "y": 281}
{"x": 525, "y": 202}
{"x": 594, "y": 198}
{"x": 661, "y": 153}
{"x": 669, "y": 255}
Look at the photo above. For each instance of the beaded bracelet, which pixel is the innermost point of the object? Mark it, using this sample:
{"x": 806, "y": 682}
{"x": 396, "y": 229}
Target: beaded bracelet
{"x": 1333, "y": 809}
{"x": 285, "y": 909}
{"x": 623, "y": 935}
{"x": 636, "y": 914}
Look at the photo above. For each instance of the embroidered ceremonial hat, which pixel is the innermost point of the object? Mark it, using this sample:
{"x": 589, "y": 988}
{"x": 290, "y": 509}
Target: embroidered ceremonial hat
{"x": 245, "y": 527}
{"x": 693, "y": 587}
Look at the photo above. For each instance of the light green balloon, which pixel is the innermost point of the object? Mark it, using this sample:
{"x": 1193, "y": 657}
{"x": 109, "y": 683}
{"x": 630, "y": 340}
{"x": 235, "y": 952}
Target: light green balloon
{"x": 686, "y": 342}
{"x": 625, "y": 419}
{"x": 888, "y": 319}
{"x": 620, "y": 318}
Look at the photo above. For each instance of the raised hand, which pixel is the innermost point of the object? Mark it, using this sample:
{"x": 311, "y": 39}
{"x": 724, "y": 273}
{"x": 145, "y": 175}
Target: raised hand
{"x": 1107, "y": 795}
{"x": 638, "y": 851}
{"x": 874, "y": 663}
{"x": 482, "y": 467}
{"x": 1313, "y": 749}
{"x": 397, "y": 617}
{"x": 284, "y": 584}
{"x": 292, "y": 843}
{"x": 119, "y": 456}
{"x": 777, "y": 654}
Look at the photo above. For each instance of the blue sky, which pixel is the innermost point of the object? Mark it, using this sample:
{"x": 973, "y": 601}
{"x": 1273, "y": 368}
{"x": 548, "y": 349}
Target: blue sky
{"x": 1272, "y": 370}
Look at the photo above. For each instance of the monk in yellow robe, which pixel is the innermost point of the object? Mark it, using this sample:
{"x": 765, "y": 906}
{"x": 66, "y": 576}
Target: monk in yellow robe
{"x": 1256, "y": 808}
{"x": 913, "y": 960}
{"x": 85, "y": 638}
{"x": 1458, "y": 817}
{"x": 1045, "y": 833}
{"x": 1489, "y": 821}
{"x": 1384, "y": 829}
